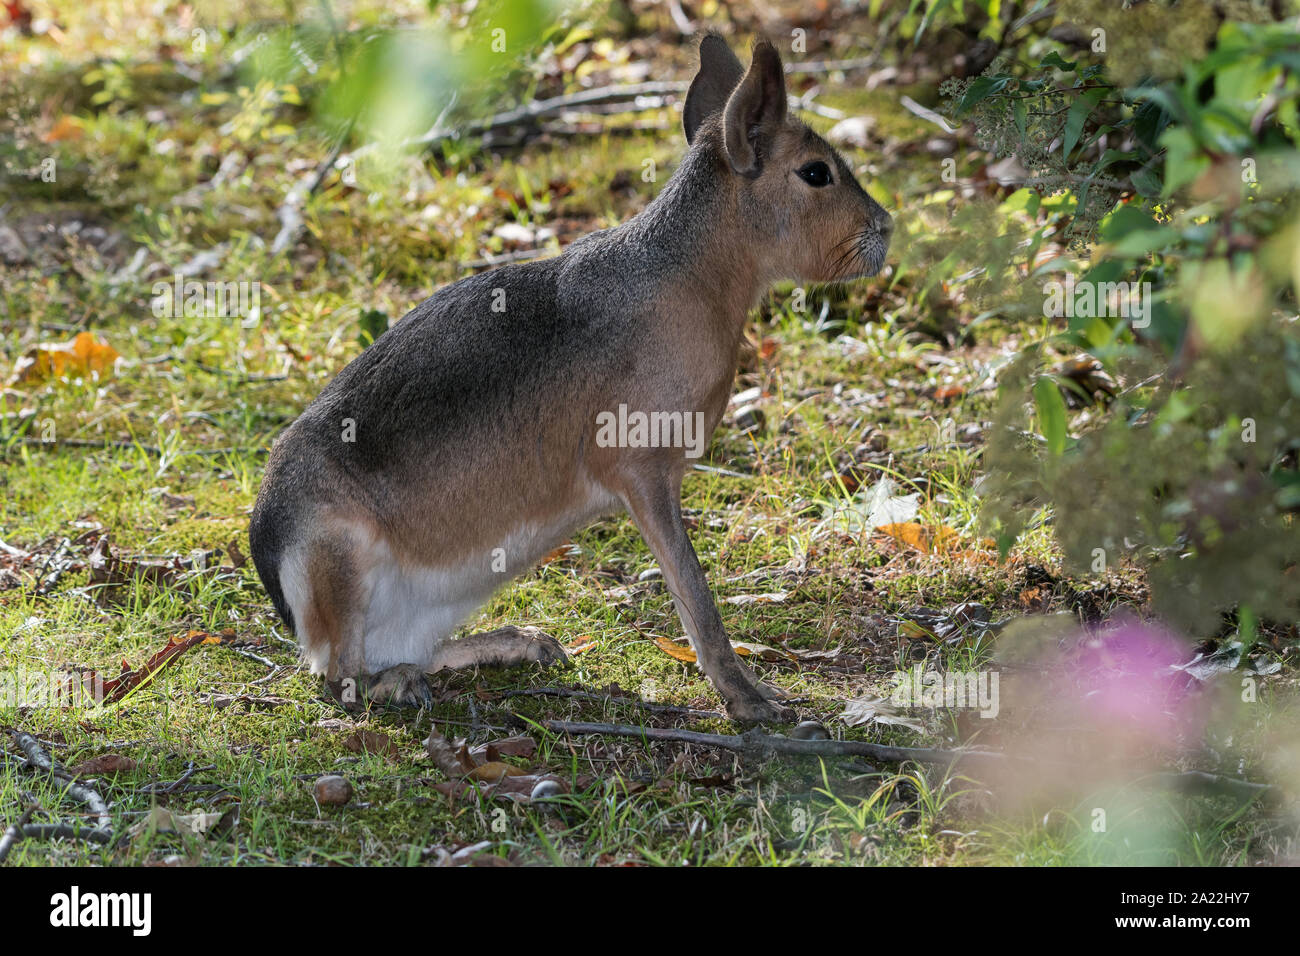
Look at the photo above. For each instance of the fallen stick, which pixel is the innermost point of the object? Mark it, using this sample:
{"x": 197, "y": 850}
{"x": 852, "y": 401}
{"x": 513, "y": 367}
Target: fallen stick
{"x": 577, "y": 693}
{"x": 38, "y": 758}
{"x": 1198, "y": 783}
{"x": 759, "y": 743}
{"x": 66, "y": 831}
{"x": 1192, "y": 782}
{"x": 14, "y": 833}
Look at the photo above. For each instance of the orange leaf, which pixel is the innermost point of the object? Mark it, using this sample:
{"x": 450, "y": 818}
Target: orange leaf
{"x": 927, "y": 540}
{"x": 66, "y": 127}
{"x": 584, "y": 643}
{"x": 84, "y": 357}
{"x": 670, "y": 647}
{"x": 946, "y": 393}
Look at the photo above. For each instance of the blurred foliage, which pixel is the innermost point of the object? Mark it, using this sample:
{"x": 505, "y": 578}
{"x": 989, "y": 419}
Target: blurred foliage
{"x": 388, "y": 85}
{"x": 1173, "y": 130}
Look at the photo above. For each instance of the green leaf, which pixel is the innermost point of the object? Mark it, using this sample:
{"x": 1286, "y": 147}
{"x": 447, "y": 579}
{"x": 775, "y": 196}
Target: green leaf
{"x": 1147, "y": 180}
{"x": 1074, "y": 120}
{"x": 1125, "y": 219}
{"x": 1051, "y": 414}
{"x": 374, "y": 323}
{"x": 981, "y": 88}
{"x": 1184, "y": 160}
{"x": 1054, "y": 59}
{"x": 937, "y": 7}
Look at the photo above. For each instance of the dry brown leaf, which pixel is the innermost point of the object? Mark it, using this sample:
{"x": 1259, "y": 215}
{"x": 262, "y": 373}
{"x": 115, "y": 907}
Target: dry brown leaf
{"x": 371, "y": 741}
{"x": 103, "y": 765}
{"x": 505, "y": 747}
{"x": 494, "y": 771}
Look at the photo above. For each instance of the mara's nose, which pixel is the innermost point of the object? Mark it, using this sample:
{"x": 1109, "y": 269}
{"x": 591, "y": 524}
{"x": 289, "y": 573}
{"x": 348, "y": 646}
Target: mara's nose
{"x": 884, "y": 224}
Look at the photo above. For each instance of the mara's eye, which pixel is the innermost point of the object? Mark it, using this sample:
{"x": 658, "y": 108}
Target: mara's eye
{"x": 815, "y": 174}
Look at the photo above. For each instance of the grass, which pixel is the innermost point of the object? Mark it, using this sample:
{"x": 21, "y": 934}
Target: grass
{"x": 858, "y": 387}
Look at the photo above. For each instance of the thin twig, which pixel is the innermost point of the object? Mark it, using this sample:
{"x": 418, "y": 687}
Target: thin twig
{"x": 161, "y": 787}
{"x": 925, "y": 113}
{"x": 680, "y": 20}
{"x": 290, "y": 211}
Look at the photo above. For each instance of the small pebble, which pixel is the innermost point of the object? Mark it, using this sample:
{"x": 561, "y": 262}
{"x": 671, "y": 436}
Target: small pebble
{"x": 810, "y": 730}
{"x": 333, "y": 790}
{"x": 544, "y": 789}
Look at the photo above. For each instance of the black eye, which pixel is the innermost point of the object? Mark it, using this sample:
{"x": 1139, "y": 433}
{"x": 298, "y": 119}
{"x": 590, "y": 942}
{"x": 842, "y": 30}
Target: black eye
{"x": 815, "y": 174}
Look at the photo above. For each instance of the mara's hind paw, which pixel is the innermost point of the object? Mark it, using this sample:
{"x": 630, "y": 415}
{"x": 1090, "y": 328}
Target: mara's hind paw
{"x": 507, "y": 646}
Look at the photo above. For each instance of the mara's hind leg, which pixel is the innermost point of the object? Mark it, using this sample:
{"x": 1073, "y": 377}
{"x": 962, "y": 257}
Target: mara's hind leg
{"x": 507, "y": 646}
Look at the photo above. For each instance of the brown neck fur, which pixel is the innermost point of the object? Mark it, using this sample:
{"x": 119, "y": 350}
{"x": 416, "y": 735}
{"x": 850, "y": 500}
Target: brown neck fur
{"x": 699, "y": 239}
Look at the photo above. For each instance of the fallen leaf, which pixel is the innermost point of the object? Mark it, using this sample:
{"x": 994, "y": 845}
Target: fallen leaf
{"x": 237, "y": 557}
{"x": 473, "y": 855}
{"x": 494, "y": 771}
{"x": 865, "y": 710}
{"x": 946, "y": 393}
{"x": 211, "y": 824}
{"x": 371, "y": 742}
{"x": 561, "y": 553}
{"x": 761, "y": 651}
{"x": 966, "y": 621}
{"x": 681, "y": 652}
{"x": 877, "y": 506}
{"x": 65, "y": 127}
{"x": 84, "y": 356}
{"x": 505, "y": 747}
{"x": 928, "y": 540}
{"x": 103, "y": 766}
{"x": 1206, "y": 666}
{"x": 773, "y": 597}
{"x": 128, "y": 680}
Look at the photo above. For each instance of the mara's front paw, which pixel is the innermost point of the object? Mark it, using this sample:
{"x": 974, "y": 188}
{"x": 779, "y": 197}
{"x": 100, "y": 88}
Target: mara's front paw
{"x": 402, "y": 686}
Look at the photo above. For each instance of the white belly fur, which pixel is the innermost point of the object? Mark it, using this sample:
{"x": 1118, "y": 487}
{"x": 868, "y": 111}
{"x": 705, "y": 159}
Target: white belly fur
{"x": 409, "y": 611}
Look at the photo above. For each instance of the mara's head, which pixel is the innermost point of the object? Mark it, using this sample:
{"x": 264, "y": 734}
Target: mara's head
{"x": 795, "y": 195}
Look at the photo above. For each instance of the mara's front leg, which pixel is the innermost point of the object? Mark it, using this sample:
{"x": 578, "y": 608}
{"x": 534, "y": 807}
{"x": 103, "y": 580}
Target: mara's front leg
{"x": 407, "y": 685}
{"x": 655, "y": 505}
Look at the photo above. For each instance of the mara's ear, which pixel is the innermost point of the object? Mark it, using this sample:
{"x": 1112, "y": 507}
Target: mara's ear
{"x": 720, "y": 71}
{"x": 756, "y": 109}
